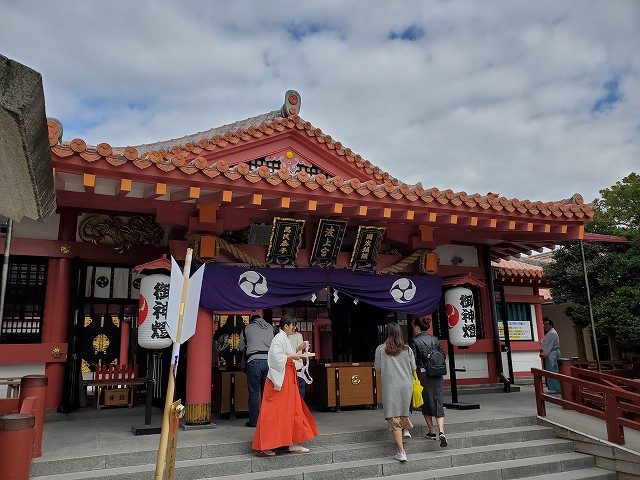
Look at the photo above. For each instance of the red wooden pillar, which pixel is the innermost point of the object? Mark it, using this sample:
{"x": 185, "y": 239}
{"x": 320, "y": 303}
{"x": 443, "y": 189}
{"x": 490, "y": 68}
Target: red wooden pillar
{"x": 492, "y": 357}
{"x": 16, "y": 437}
{"x": 35, "y": 386}
{"x": 199, "y": 363}
{"x": 538, "y": 309}
{"x": 54, "y": 329}
{"x": 123, "y": 358}
{"x": 539, "y": 328}
{"x": 56, "y": 310}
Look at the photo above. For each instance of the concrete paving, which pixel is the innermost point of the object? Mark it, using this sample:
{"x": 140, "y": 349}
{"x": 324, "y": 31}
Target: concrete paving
{"x": 109, "y": 431}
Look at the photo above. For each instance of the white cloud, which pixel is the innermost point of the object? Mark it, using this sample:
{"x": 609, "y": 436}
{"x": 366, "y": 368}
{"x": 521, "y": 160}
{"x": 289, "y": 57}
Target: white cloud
{"x": 491, "y": 96}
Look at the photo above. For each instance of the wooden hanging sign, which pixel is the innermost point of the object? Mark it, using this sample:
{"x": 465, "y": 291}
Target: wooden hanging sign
{"x": 365, "y": 250}
{"x": 284, "y": 244}
{"x": 326, "y": 246}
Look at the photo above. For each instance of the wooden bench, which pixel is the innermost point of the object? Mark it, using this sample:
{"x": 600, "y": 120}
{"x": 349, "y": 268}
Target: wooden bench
{"x": 115, "y": 385}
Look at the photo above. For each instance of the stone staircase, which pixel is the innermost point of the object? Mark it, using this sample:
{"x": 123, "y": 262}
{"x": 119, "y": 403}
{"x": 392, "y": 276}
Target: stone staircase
{"x": 509, "y": 448}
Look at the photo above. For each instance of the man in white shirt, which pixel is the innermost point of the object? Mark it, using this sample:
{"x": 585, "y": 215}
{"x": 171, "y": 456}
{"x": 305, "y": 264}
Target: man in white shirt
{"x": 296, "y": 339}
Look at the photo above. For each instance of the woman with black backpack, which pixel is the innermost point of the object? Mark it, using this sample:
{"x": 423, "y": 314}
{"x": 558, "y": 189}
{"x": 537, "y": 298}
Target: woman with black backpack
{"x": 431, "y": 369}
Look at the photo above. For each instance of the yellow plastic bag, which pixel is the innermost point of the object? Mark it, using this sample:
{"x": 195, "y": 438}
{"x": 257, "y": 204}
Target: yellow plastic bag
{"x": 416, "y": 399}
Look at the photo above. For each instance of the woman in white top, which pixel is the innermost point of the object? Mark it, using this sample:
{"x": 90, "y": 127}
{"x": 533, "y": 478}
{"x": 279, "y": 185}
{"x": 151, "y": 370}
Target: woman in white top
{"x": 284, "y": 418}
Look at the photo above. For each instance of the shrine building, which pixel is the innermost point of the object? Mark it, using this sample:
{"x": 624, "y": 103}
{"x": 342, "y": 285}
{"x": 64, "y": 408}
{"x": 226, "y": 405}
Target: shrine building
{"x": 268, "y": 195}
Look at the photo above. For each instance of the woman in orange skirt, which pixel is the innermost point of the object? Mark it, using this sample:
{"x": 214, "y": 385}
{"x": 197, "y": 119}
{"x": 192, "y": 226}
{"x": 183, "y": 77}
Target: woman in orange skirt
{"x": 285, "y": 420}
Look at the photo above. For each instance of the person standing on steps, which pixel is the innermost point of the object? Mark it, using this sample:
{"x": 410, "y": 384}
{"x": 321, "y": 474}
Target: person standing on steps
{"x": 551, "y": 350}
{"x": 422, "y": 344}
{"x": 285, "y": 420}
{"x": 395, "y": 362}
{"x": 256, "y": 338}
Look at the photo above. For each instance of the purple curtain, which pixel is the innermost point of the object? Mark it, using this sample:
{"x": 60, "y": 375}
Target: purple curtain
{"x": 228, "y": 288}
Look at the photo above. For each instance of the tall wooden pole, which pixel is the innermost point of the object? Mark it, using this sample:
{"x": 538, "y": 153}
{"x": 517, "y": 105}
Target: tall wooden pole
{"x": 5, "y": 270}
{"x": 164, "y": 433}
{"x": 593, "y": 325}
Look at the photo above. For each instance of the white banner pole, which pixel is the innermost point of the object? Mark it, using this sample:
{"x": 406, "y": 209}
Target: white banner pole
{"x": 164, "y": 433}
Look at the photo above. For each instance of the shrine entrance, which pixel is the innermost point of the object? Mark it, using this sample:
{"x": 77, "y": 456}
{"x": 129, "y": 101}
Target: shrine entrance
{"x": 104, "y": 315}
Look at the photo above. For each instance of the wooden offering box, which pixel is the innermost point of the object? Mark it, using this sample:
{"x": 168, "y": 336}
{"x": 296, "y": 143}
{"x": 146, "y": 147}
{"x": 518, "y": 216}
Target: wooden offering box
{"x": 230, "y": 393}
{"x": 116, "y": 397}
{"x": 337, "y": 385}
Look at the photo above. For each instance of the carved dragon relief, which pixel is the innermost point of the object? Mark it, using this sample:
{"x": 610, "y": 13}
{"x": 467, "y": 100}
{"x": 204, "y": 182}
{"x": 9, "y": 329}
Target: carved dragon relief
{"x": 139, "y": 230}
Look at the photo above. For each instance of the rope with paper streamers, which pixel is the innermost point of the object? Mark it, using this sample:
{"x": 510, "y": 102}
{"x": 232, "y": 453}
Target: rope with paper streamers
{"x": 224, "y": 245}
{"x": 402, "y": 264}
{"x": 252, "y": 261}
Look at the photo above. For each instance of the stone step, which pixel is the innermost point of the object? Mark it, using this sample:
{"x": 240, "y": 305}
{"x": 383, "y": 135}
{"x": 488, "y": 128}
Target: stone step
{"x": 341, "y": 461}
{"x": 418, "y": 462}
{"x": 562, "y": 464}
{"x": 594, "y": 473}
{"x": 478, "y": 431}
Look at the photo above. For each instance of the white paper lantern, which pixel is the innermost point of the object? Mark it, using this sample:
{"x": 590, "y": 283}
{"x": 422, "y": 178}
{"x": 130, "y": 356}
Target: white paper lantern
{"x": 461, "y": 316}
{"x": 152, "y": 313}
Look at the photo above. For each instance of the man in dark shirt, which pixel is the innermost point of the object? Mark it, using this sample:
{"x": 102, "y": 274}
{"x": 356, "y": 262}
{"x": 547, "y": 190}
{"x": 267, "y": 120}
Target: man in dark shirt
{"x": 257, "y": 335}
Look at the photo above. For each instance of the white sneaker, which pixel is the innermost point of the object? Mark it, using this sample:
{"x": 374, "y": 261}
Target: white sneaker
{"x": 295, "y": 448}
{"x": 406, "y": 433}
{"x": 401, "y": 457}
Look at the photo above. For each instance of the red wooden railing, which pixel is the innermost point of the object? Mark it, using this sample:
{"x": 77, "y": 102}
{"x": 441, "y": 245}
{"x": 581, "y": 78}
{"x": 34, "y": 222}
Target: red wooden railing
{"x": 608, "y": 365}
{"x": 626, "y": 379}
{"x": 617, "y": 407}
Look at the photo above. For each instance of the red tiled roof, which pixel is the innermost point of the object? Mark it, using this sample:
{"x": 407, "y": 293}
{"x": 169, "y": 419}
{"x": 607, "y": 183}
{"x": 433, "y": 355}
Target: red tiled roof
{"x": 513, "y": 268}
{"x": 190, "y": 159}
{"x": 598, "y": 237}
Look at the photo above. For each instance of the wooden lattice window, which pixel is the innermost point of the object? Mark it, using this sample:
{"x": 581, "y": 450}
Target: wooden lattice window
{"x": 24, "y": 300}
{"x": 311, "y": 170}
{"x": 273, "y": 165}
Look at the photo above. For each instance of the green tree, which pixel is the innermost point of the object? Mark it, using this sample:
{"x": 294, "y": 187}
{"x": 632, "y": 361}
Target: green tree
{"x": 613, "y": 269}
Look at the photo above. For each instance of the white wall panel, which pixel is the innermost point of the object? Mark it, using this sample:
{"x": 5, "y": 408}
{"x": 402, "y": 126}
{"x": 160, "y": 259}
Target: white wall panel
{"x": 468, "y": 254}
{"x": 525, "y": 361}
{"x": 28, "y": 228}
{"x": 475, "y": 363}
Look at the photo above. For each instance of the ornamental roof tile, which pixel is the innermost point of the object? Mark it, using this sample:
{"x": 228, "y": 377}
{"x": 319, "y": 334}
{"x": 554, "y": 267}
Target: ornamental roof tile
{"x": 187, "y": 154}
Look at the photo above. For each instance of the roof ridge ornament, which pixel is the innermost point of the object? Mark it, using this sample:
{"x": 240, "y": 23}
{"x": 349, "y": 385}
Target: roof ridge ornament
{"x": 575, "y": 199}
{"x": 55, "y": 130}
{"x": 292, "y": 104}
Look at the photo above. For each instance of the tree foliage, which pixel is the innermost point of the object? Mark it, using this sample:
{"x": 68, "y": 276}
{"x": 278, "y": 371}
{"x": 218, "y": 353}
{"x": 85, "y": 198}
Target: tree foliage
{"x": 613, "y": 269}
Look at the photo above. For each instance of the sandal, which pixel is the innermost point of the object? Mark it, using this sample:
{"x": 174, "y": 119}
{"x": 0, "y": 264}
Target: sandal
{"x": 266, "y": 453}
{"x": 295, "y": 448}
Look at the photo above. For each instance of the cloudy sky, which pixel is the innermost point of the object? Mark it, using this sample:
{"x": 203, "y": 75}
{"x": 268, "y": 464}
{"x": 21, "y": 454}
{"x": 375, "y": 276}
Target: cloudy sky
{"x": 534, "y": 100}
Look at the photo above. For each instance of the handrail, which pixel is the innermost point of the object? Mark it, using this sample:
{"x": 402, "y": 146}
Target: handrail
{"x": 604, "y": 364}
{"x": 630, "y": 383}
{"x": 616, "y": 402}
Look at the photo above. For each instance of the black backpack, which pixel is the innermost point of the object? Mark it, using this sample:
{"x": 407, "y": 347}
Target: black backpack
{"x": 436, "y": 365}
